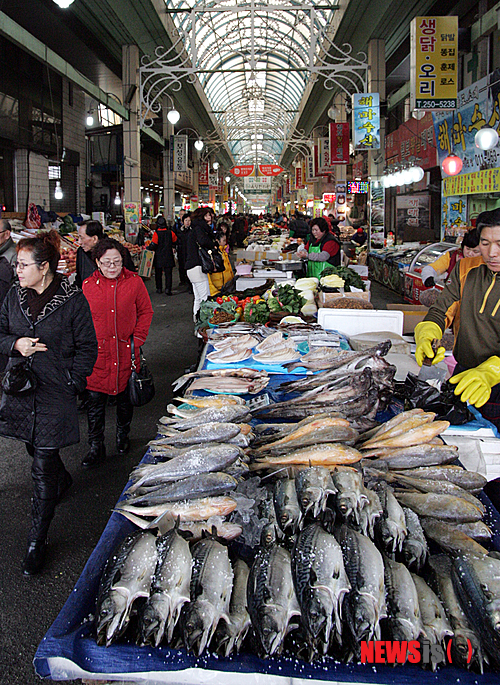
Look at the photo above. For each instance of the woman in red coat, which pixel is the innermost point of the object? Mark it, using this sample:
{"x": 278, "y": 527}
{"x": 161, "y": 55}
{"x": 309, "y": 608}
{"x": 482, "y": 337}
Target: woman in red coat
{"x": 120, "y": 307}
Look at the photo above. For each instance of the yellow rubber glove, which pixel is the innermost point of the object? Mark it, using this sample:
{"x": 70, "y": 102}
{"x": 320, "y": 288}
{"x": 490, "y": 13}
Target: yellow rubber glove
{"x": 474, "y": 385}
{"x": 425, "y": 333}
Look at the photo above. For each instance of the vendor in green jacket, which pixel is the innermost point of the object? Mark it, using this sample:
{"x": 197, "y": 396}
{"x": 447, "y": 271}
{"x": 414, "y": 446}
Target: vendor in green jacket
{"x": 470, "y": 302}
{"x": 322, "y": 250}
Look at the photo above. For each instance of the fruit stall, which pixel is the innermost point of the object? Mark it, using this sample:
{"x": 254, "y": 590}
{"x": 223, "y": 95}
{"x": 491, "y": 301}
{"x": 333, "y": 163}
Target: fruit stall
{"x": 286, "y": 511}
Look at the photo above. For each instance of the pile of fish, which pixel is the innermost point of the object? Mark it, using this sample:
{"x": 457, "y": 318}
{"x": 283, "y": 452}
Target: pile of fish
{"x": 233, "y": 381}
{"x": 276, "y": 349}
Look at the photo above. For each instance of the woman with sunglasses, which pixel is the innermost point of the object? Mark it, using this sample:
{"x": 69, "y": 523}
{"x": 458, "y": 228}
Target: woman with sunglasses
{"x": 47, "y": 320}
{"x": 121, "y": 308}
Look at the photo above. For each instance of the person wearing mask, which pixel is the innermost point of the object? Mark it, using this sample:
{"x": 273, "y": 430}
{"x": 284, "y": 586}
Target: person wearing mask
{"x": 46, "y": 319}
{"x": 162, "y": 244}
{"x": 322, "y": 250}
{"x": 442, "y": 267}
{"x": 7, "y": 246}
{"x": 201, "y": 234}
{"x": 182, "y": 237}
{"x": 299, "y": 227}
{"x": 121, "y": 308}
{"x": 89, "y": 234}
{"x": 470, "y": 302}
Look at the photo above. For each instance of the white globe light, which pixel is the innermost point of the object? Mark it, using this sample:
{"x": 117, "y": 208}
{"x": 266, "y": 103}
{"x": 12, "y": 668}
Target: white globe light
{"x": 215, "y": 165}
{"x": 228, "y": 178}
{"x": 173, "y": 116}
{"x": 147, "y": 199}
{"x": 199, "y": 144}
{"x": 58, "y": 193}
{"x": 90, "y": 119}
{"x": 333, "y": 112}
{"x": 398, "y": 181}
{"x": 117, "y": 198}
{"x": 64, "y": 3}
{"x": 486, "y": 138}
{"x": 407, "y": 176}
{"x": 417, "y": 173}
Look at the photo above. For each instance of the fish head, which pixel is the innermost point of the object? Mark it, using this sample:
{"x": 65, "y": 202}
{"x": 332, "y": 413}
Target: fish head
{"x": 404, "y": 629}
{"x": 290, "y": 518}
{"x": 415, "y": 553}
{"x": 309, "y": 497}
{"x": 197, "y": 622}
{"x": 270, "y": 630}
{"x": 151, "y": 626}
{"x": 315, "y": 616}
{"x": 346, "y": 504}
{"x": 365, "y": 618}
{"x": 110, "y": 617}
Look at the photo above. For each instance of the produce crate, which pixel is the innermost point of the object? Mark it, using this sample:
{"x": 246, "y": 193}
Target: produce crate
{"x": 325, "y": 299}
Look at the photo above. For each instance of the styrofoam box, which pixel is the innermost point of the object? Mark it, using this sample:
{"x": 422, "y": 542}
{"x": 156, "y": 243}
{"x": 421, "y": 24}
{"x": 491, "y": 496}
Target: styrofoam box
{"x": 360, "y": 269}
{"x": 354, "y": 321}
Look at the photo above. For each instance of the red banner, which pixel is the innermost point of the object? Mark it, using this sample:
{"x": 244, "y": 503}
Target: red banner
{"x": 339, "y": 143}
{"x": 288, "y": 184}
{"x": 203, "y": 174}
{"x": 299, "y": 185}
{"x": 241, "y": 171}
{"x": 270, "y": 169}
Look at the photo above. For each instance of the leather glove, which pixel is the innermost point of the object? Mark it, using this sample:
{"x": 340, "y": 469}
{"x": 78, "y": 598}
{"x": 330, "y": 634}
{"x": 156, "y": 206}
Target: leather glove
{"x": 429, "y": 282}
{"x": 425, "y": 333}
{"x": 474, "y": 385}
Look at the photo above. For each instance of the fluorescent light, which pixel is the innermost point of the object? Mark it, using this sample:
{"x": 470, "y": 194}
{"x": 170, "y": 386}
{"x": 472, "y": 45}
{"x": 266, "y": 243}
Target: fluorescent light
{"x": 64, "y": 3}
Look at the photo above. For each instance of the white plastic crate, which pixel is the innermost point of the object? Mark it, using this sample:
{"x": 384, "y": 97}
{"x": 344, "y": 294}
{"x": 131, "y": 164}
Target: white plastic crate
{"x": 354, "y": 321}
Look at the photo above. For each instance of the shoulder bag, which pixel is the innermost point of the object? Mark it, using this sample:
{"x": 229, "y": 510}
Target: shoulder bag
{"x": 20, "y": 378}
{"x": 211, "y": 260}
{"x": 141, "y": 385}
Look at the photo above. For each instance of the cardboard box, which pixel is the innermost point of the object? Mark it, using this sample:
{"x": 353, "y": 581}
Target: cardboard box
{"x": 146, "y": 265}
{"x": 413, "y": 314}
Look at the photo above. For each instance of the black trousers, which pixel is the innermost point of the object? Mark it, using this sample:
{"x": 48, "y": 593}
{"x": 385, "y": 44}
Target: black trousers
{"x": 96, "y": 414}
{"x": 182, "y": 268}
{"x": 47, "y": 472}
{"x": 168, "y": 278}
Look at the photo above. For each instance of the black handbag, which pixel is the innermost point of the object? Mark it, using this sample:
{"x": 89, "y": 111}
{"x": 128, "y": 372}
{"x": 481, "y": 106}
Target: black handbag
{"x": 211, "y": 260}
{"x": 20, "y": 378}
{"x": 141, "y": 387}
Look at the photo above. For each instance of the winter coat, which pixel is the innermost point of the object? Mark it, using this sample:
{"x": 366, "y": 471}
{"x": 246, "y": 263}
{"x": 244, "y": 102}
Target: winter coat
{"x": 200, "y": 234}
{"x": 120, "y": 307}
{"x": 8, "y": 250}
{"x": 85, "y": 266}
{"x": 163, "y": 239}
{"x": 217, "y": 280}
{"x": 299, "y": 229}
{"x": 48, "y": 416}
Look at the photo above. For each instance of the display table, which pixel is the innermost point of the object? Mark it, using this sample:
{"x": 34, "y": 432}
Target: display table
{"x": 69, "y": 650}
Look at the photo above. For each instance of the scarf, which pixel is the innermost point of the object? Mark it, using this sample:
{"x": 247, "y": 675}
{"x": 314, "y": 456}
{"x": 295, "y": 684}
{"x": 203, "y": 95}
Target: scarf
{"x": 37, "y": 302}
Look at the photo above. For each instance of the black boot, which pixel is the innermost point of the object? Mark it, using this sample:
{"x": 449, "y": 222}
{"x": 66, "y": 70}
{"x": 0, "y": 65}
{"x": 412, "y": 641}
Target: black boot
{"x": 45, "y": 472}
{"x": 35, "y": 557}
{"x": 95, "y": 456}
{"x": 124, "y": 414}
{"x": 96, "y": 414}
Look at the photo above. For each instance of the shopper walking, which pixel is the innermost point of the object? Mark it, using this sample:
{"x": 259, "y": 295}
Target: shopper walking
{"x": 182, "y": 233}
{"x": 7, "y": 246}
{"x": 47, "y": 320}
{"x": 201, "y": 235}
{"x": 89, "y": 234}
{"x": 121, "y": 308}
{"x": 162, "y": 244}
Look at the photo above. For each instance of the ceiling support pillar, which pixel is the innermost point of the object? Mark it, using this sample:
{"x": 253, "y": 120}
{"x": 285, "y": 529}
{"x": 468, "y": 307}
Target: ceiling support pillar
{"x": 131, "y": 139}
{"x": 168, "y": 176}
{"x": 377, "y": 84}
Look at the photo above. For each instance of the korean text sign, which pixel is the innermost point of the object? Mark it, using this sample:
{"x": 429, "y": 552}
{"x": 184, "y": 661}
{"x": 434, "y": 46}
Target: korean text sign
{"x": 433, "y": 62}
{"x": 366, "y": 121}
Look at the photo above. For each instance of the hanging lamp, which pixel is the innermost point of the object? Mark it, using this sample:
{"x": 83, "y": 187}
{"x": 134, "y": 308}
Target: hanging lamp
{"x": 452, "y": 165}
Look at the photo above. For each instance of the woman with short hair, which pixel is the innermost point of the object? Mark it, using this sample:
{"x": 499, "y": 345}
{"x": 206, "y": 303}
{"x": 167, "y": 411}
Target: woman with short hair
{"x": 322, "y": 250}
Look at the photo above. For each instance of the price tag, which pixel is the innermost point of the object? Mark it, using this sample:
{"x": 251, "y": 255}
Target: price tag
{"x": 259, "y": 402}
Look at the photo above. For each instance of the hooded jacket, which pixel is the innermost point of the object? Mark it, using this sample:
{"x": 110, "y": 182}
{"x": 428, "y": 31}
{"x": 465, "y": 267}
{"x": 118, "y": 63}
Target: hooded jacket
{"x": 120, "y": 307}
{"x": 470, "y": 302}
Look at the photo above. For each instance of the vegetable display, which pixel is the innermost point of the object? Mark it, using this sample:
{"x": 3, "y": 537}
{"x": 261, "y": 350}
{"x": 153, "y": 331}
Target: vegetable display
{"x": 350, "y": 277}
{"x": 285, "y": 298}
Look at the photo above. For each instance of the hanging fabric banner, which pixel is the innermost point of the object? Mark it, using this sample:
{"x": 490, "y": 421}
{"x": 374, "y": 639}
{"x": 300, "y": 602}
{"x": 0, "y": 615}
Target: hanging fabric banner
{"x": 366, "y": 118}
{"x": 203, "y": 174}
{"x": 178, "y": 153}
{"x": 242, "y": 171}
{"x": 299, "y": 178}
{"x": 339, "y": 143}
{"x": 309, "y": 169}
{"x": 270, "y": 169}
{"x": 213, "y": 181}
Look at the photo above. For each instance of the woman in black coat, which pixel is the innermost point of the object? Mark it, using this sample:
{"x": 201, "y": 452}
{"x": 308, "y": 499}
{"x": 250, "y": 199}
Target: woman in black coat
{"x": 201, "y": 234}
{"x": 47, "y": 320}
{"x": 162, "y": 244}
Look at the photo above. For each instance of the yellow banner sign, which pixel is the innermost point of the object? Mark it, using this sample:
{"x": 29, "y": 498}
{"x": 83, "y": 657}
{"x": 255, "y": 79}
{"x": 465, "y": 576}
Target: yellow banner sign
{"x": 434, "y": 62}
{"x": 486, "y": 181}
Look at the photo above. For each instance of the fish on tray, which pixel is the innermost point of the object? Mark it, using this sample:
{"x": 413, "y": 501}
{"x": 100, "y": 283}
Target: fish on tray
{"x": 187, "y": 510}
{"x": 205, "y": 373}
{"x": 327, "y": 454}
{"x": 241, "y": 386}
{"x": 332, "y": 359}
{"x": 230, "y": 413}
{"x": 230, "y": 355}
